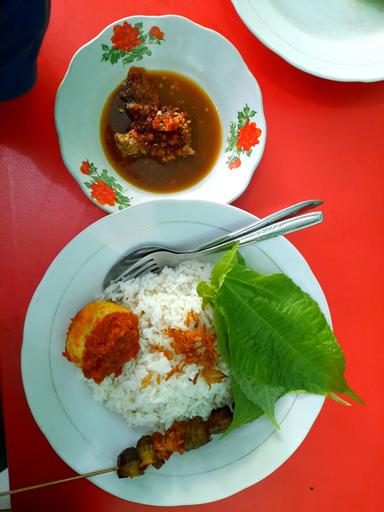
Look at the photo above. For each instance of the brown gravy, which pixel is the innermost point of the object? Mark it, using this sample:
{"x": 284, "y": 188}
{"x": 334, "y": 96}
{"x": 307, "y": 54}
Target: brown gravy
{"x": 177, "y": 91}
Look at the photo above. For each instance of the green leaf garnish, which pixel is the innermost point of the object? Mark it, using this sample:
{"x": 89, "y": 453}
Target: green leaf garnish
{"x": 244, "y": 412}
{"x": 221, "y": 329}
{"x": 273, "y": 337}
{"x": 224, "y": 265}
{"x": 260, "y": 394}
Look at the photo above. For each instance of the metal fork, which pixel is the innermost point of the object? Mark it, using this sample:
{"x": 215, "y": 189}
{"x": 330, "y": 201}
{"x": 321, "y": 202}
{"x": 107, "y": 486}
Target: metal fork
{"x": 128, "y": 259}
{"x": 263, "y": 229}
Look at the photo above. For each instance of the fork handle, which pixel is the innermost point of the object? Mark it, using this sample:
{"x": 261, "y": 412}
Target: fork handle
{"x": 278, "y": 228}
{"x": 265, "y": 221}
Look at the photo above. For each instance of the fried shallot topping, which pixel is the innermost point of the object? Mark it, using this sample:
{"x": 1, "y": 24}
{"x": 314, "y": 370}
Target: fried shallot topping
{"x": 195, "y": 345}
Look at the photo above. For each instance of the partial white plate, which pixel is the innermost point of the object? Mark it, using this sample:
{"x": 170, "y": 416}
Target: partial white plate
{"x": 335, "y": 39}
{"x": 194, "y": 51}
{"x": 87, "y": 436}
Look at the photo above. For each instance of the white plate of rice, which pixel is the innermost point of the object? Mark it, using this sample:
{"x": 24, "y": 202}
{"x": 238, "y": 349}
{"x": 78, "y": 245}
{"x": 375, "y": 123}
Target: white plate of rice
{"x": 88, "y": 425}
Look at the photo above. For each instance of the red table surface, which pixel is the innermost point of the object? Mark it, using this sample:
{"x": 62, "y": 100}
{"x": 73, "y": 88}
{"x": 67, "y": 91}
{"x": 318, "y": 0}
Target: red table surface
{"x": 325, "y": 140}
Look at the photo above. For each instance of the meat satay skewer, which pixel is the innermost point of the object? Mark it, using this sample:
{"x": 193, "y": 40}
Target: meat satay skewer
{"x": 156, "y": 449}
{"x": 182, "y": 436}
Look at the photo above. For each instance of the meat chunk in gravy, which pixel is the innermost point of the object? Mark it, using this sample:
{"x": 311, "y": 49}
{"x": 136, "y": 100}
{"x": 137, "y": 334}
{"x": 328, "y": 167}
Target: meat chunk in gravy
{"x": 156, "y": 131}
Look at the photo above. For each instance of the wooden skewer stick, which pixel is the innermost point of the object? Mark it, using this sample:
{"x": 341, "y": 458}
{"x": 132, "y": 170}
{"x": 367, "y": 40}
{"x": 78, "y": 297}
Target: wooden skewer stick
{"x": 54, "y": 482}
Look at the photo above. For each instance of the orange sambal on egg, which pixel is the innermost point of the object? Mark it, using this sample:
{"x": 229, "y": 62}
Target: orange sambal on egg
{"x": 101, "y": 338}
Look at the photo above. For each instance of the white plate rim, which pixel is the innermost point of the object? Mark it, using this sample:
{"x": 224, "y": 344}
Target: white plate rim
{"x": 306, "y": 62}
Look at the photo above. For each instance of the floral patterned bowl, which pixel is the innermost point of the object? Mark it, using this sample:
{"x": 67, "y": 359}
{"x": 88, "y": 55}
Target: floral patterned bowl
{"x": 171, "y": 43}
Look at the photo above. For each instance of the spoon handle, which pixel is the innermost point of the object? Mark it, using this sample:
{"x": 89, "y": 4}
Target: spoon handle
{"x": 278, "y": 228}
{"x": 265, "y": 221}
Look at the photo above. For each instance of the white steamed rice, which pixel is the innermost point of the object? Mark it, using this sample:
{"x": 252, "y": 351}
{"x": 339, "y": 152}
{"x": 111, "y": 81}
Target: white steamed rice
{"x": 161, "y": 301}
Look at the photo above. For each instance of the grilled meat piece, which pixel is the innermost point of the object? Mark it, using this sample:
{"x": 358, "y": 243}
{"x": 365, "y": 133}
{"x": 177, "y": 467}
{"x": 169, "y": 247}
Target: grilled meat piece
{"x": 156, "y": 131}
{"x": 171, "y": 441}
{"x": 147, "y": 453}
{"x": 138, "y": 89}
{"x": 219, "y": 420}
{"x": 196, "y": 433}
{"x": 129, "y": 463}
